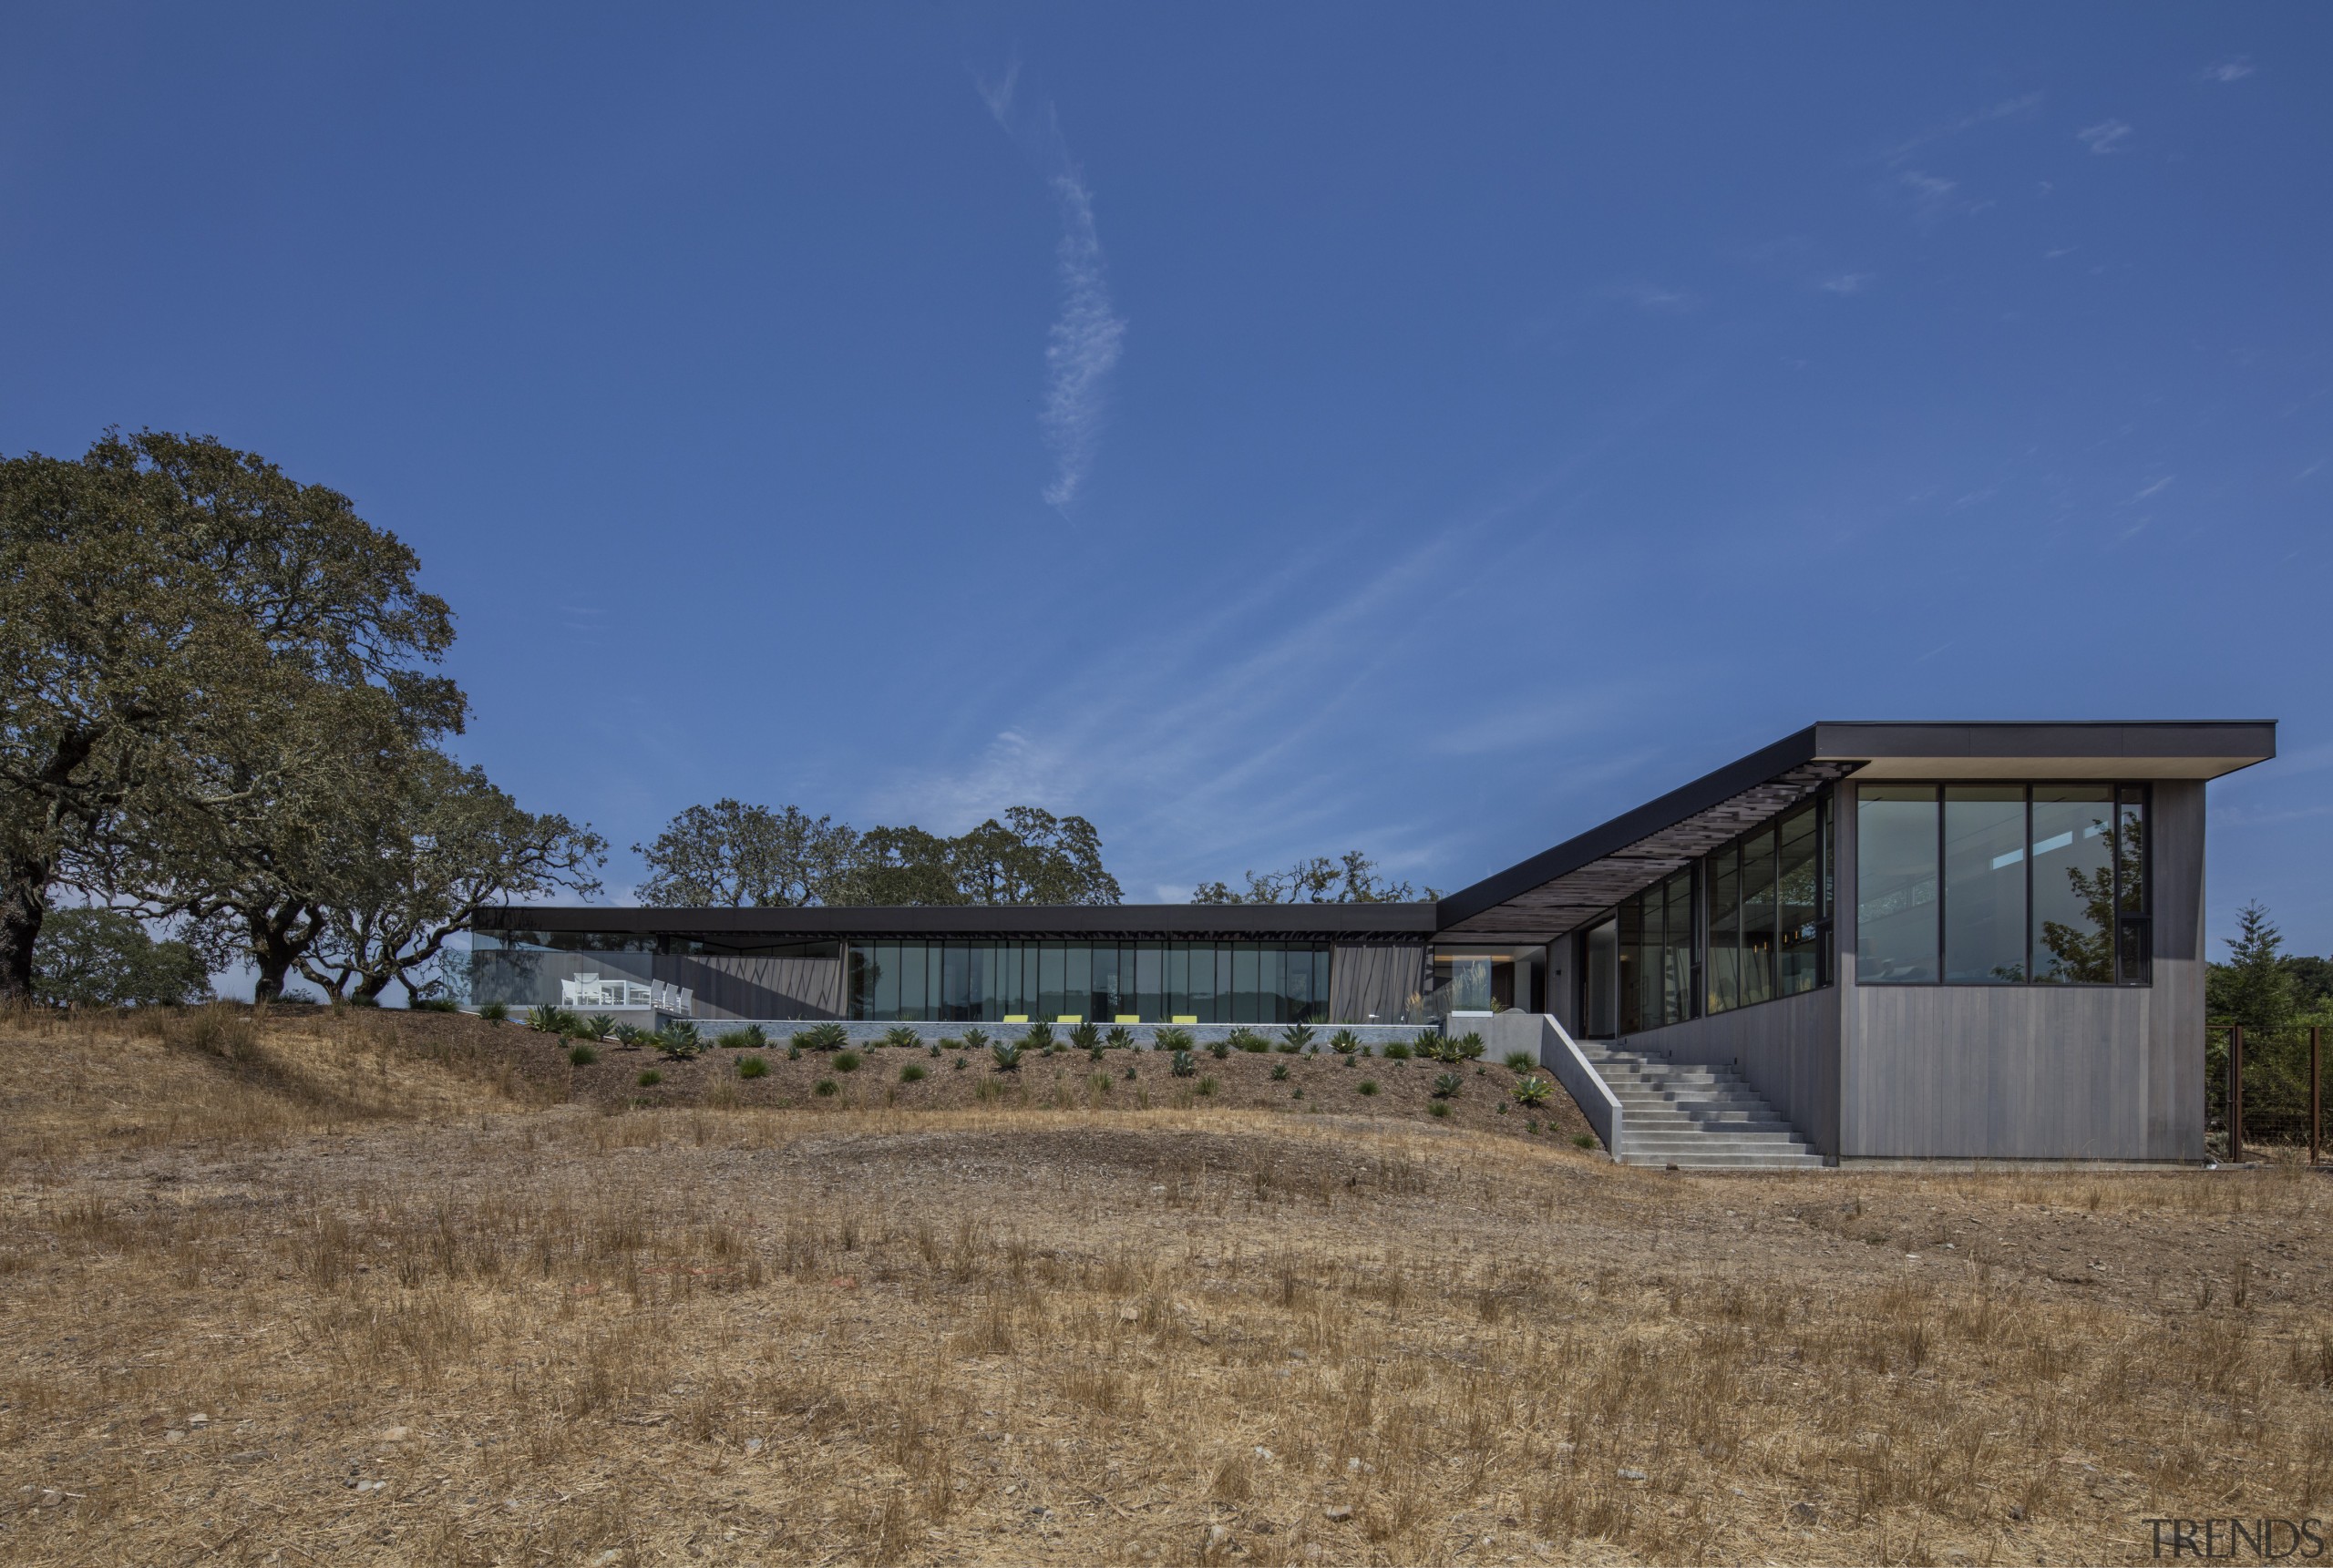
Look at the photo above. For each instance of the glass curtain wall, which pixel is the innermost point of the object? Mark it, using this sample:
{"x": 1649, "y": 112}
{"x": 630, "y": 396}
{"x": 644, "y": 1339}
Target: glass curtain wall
{"x": 1770, "y": 910}
{"x": 1150, "y": 982}
{"x": 1763, "y": 928}
{"x": 2003, "y": 885}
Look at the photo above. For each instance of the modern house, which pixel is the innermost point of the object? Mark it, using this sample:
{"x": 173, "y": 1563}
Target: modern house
{"x": 1865, "y": 941}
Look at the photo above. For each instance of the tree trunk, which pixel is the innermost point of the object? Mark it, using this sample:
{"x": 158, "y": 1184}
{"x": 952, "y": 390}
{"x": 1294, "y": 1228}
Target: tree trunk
{"x": 277, "y": 942}
{"x": 24, "y": 904}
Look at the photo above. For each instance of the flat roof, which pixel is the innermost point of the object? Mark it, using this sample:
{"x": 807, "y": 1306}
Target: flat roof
{"x": 1553, "y": 892}
{"x": 1560, "y": 888}
{"x": 1025, "y": 922}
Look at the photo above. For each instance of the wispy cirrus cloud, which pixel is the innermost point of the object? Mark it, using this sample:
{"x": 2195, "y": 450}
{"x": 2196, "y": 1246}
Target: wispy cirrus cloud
{"x": 2104, "y": 136}
{"x": 2018, "y": 107}
{"x": 1846, "y": 284}
{"x": 2230, "y": 70}
{"x": 1087, "y": 337}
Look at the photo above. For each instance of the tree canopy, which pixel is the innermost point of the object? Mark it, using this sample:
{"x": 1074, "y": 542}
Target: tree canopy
{"x": 104, "y": 957}
{"x": 730, "y": 854}
{"x": 1352, "y": 879}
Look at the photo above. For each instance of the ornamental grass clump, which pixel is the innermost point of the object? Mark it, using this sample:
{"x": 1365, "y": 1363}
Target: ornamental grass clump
{"x": 649, "y": 1078}
{"x": 749, "y": 1038}
{"x": 1247, "y": 1040}
{"x": 495, "y": 1012}
{"x": 912, "y": 1073}
{"x": 1521, "y": 1061}
{"x": 846, "y": 1061}
{"x": 1219, "y": 1048}
{"x": 753, "y": 1067}
{"x": 1439, "y": 1107}
{"x": 1206, "y": 1085}
{"x": 825, "y": 1089}
{"x": 1399, "y": 1050}
{"x": 1366, "y": 1086}
{"x": 582, "y": 1056}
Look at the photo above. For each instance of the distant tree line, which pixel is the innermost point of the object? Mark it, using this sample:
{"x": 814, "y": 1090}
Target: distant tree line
{"x": 1352, "y": 879}
{"x": 732, "y": 855}
{"x": 224, "y": 719}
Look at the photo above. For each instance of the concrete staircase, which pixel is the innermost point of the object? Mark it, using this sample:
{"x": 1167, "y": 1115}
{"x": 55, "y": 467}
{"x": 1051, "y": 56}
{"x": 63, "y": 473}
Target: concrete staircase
{"x": 1695, "y": 1118}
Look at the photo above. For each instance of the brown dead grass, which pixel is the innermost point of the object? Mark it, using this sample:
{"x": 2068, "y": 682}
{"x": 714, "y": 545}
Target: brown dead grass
{"x": 363, "y": 1290}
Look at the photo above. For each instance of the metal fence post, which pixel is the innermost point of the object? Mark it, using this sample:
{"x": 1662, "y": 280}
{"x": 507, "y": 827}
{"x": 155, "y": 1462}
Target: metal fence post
{"x": 2315, "y": 1030}
{"x": 2236, "y": 1095}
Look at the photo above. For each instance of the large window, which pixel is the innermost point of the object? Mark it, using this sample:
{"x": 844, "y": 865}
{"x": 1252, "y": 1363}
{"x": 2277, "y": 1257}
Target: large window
{"x": 2001, "y": 884}
{"x": 1747, "y": 922}
{"x": 1156, "y": 982}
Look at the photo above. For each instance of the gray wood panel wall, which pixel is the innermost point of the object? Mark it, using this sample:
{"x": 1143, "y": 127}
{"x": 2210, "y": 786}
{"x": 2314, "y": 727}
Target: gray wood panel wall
{"x": 1376, "y": 979}
{"x": 729, "y": 988}
{"x": 1787, "y": 1048}
{"x": 2011, "y": 1072}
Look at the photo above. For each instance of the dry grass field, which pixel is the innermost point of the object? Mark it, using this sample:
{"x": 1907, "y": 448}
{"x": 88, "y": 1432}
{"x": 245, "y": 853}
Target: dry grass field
{"x": 394, "y": 1289}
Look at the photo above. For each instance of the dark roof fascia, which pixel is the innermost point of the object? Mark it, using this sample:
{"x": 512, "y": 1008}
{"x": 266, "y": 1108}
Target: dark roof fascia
{"x": 1710, "y": 790}
{"x": 1334, "y": 922}
{"x": 1877, "y": 740}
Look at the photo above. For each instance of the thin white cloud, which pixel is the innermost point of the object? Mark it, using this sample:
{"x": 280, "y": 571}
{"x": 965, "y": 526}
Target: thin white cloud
{"x": 1088, "y": 335}
{"x": 1082, "y": 348}
{"x": 2156, "y": 489}
{"x": 1933, "y": 198}
{"x": 2104, "y": 136}
{"x": 1846, "y": 284}
{"x": 2232, "y": 70}
{"x": 2008, "y": 108}
{"x": 1655, "y": 297}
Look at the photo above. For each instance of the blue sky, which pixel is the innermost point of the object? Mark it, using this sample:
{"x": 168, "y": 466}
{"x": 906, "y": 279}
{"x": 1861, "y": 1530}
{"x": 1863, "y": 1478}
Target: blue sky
{"x": 1263, "y": 430}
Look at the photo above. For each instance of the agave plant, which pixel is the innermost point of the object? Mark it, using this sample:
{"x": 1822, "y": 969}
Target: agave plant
{"x": 1521, "y": 1061}
{"x": 1219, "y": 1048}
{"x": 1295, "y": 1037}
{"x": 544, "y": 1020}
{"x": 1532, "y": 1090}
{"x": 1245, "y": 1038}
{"x": 1183, "y": 1066}
{"x": 1120, "y": 1038}
{"x": 1007, "y": 1055}
{"x": 1040, "y": 1037}
{"x": 1469, "y": 1046}
{"x": 1086, "y": 1038}
{"x": 1172, "y": 1038}
{"x": 629, "y": 1034}
{"x": 1447, "y": 1084}
{"x": 598, "y": 1026}
{"x": 1344, "y": 1043}
{"x": 902, "y": 1038}
{"x": 679, "y": 1040}
{"x": 975, "y": 1039}
{"x": 827, "y": 1036}
{"x": 749, "y": 1038}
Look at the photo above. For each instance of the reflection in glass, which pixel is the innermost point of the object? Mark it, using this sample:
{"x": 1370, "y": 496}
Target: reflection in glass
{"x": 1603, "y": 965}
{"x": 1758, "y": 917}
{"x": 1798, "y": 892}
{"x": 1677, "y": 987}
{"x": 1725, "y": 928}
{"x": 1984, "y": 884}
{"x": 2073, "y": 884}
{"x": 1895, "y": 884}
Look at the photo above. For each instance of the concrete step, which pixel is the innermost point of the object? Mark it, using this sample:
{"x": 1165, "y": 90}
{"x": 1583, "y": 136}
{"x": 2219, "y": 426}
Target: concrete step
{"x": 1696, "y": 1118}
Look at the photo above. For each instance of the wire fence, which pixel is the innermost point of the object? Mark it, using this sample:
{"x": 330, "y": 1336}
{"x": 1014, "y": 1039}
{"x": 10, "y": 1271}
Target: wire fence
{"x": 2263, "y": 1093}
